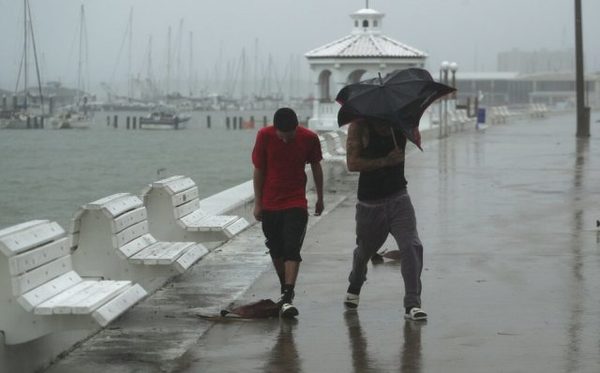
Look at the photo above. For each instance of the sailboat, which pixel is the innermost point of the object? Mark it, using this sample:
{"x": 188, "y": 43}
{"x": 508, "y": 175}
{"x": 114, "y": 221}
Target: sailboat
{"x": 77, "y": 116}
{"x": 164, "y": 118}
{"x": 22, "y": 117}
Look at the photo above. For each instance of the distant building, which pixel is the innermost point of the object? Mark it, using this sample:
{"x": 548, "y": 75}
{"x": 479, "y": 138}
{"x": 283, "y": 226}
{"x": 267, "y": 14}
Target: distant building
{"x": 525, "y": 77}
{"x": 513, "y": 88}
{"x": 540, "y": 61}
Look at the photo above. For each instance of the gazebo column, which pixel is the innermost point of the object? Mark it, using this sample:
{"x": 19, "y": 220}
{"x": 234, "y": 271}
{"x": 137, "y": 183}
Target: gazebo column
{"x": 316, "y": 92}
{"x": 340, "y": 76}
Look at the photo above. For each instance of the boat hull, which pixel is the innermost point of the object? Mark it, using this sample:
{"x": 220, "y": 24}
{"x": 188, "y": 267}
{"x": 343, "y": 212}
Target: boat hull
{"x": 71, "y": 124}
{"x": 161, "y": 125}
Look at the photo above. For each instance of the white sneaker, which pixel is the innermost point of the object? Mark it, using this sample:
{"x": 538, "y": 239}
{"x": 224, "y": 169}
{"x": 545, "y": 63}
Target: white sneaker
{"x": 416, "y": 314}
{"x": 288, "y": 310}
{"x": 351, "y": 301}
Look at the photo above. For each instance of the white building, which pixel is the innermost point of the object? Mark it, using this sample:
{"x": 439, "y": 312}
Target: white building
{"x": 363, "y": 54}
{"x": 538, "y": 61}
{"x": 511, "y": 88}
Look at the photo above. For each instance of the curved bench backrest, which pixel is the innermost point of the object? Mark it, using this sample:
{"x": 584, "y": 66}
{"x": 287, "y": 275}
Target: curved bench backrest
{"x": 174, "y": 213}
{"x": 34, "y": 253}
{"x": 111, "y": 239}
{"x": 41, "y": 293}
{"x": 127, "y": 218}
{"x": 183, "y": 193}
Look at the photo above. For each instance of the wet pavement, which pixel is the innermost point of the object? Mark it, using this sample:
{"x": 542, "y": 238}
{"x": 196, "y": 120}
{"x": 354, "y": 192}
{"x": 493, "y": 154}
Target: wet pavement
{"x": 511, "y": 280}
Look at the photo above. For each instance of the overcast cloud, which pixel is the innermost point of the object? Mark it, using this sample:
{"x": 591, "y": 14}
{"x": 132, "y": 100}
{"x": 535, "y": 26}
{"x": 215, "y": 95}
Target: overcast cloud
{"x": 470, "y": 32}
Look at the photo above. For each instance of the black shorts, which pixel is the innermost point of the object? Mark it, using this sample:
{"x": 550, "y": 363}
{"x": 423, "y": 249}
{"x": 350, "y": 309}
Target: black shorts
{"x": 284, "y": 232}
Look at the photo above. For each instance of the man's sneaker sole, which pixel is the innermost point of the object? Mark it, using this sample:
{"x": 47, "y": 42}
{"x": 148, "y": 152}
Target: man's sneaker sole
{"x": 288, "y": 311}
{"x": 416, "y": 314}
{"x": 351, "y": 301}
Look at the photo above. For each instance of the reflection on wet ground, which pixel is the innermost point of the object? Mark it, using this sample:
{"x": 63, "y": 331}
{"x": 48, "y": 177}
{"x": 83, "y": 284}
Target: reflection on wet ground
{"x": 284, "y": 355}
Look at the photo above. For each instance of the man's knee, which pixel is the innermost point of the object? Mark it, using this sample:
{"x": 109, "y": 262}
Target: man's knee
{"x": 292, "y": 254}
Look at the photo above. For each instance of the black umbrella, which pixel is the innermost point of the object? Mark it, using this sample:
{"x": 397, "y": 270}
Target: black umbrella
{"x": 399, "y": 99}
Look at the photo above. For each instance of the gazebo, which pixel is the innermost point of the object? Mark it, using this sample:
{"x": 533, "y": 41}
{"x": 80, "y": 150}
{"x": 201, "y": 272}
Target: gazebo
{"x": 361, "y": 55}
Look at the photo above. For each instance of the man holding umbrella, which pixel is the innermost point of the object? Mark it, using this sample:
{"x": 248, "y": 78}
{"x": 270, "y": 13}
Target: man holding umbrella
{"x": 280, "y": 155}
{"x": 383, "y": 114}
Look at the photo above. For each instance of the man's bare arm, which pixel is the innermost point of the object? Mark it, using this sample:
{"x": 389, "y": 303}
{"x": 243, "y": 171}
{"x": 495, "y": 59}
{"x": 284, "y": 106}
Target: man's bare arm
{"x": 258, "y": 180}
{"x": 317, "y": 172}
{"x": 354, "y": 146}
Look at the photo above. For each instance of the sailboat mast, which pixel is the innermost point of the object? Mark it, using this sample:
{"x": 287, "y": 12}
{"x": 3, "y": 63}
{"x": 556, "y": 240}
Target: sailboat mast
{"x": 149, "y": 71}
{"x": 129, "y": 78}
{"x": 169, "y": 61}
{"x": 25, "y": 66}
{"x": 255, "y": 73}
{"x": 243, "y": 76}
{"x": 178, "y": 46}
{"x": 79, "y": 66}
{"x": 191, "y": 67}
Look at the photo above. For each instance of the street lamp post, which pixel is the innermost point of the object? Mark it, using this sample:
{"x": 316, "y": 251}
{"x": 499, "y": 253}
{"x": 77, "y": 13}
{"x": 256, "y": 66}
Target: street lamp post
{"x": 583, "y": 121}
{"x": 453, "y": 68}
{"x": 443, "y": 104}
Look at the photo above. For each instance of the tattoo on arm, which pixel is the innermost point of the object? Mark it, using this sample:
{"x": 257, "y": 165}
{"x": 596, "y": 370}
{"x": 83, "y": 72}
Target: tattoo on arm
{"x": 355, "y": 142}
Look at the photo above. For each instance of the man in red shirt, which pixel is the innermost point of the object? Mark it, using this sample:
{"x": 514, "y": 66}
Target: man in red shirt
{"x": 280, "y": 155}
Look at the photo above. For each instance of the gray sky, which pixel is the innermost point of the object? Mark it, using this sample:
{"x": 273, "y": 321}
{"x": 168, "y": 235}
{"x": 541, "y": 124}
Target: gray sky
{"x": 470, "y": 32}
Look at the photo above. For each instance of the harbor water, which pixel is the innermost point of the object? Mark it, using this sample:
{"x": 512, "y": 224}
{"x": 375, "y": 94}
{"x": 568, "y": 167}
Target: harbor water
{"x": 48, "y": 174}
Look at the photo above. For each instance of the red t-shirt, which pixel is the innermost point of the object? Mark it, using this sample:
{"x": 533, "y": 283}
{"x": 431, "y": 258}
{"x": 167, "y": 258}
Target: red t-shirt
{"x": 283, "y": 165}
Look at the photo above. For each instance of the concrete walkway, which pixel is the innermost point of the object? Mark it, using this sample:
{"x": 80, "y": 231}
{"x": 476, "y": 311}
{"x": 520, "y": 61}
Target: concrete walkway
{"x": 511, "y": 281}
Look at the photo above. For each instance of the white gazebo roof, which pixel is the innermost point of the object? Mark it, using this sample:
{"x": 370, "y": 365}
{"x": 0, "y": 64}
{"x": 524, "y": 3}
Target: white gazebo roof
{"x": 365, "y": 45}
{"x": 366, "y": 41}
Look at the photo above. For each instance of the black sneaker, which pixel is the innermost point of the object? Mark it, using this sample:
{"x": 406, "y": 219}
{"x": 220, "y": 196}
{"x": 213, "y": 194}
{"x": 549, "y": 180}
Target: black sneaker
{"x": 288, "y": 311}
{"x": 286, "y": 297}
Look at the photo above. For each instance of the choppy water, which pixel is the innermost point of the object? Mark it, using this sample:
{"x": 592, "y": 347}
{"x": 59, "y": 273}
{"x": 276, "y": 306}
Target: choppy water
{"x": 49, "y": 173}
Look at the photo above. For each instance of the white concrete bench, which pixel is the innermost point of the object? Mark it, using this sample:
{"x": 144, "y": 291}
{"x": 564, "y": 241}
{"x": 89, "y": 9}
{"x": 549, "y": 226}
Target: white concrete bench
{"x": 174, "y": 213}
{"x": 334, "y": 165}
{"x": 335, "y": 142}
{"x": 455, "y": 121}
{"x": 328, "y": 157}
{"x": 41, "y": 293}
{"x": 537, "y": 110}
{"x": 497, "y": 115}
{"x": 237, "y": 200}
{"x": 505, "y": 113}
{"x": 111, "y": 239}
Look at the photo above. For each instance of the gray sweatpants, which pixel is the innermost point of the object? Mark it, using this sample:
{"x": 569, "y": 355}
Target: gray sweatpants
{"x": 374, "y": 221}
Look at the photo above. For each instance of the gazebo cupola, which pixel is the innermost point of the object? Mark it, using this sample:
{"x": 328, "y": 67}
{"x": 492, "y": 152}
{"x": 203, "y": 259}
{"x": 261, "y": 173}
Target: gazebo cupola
{"x": 364, "y": 53}
{"x": 367, "y": 20}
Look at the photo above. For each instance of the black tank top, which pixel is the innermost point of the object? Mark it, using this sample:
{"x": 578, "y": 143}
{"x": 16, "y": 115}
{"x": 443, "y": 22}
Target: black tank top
{"x": 385, "y": 181}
